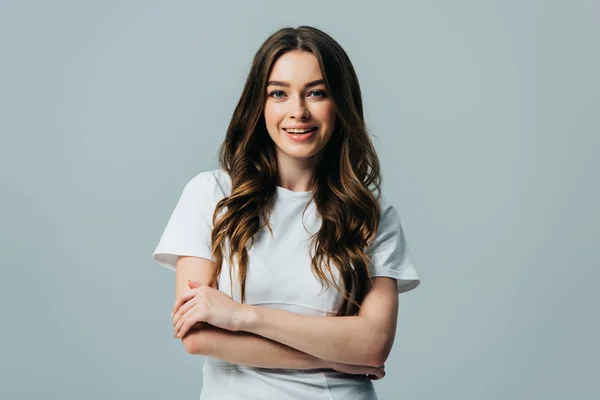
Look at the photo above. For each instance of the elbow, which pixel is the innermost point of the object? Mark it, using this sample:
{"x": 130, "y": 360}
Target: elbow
{"x": 379, "y": 353}
{"x": 192, "y": 343}
{"x": 197, "y": 340}
{"x": 189, "y": 344}
{"x": 377, "y": 358}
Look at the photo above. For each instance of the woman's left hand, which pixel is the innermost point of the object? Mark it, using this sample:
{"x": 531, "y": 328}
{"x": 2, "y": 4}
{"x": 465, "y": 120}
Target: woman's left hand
{"x": 203, "y": 303}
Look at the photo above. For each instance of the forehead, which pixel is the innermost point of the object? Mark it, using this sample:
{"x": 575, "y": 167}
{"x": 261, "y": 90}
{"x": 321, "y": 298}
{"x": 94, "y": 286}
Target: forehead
{"x": 296, "y": 67}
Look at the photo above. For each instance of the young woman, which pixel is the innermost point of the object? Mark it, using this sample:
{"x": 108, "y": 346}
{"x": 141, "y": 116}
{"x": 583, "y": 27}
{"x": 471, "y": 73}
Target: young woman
{"x": 288, "y": 260}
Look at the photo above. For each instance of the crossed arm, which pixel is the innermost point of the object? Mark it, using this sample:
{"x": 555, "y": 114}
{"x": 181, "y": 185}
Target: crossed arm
{"x": 247, "y": 349}
{"x": 272, "y": 338}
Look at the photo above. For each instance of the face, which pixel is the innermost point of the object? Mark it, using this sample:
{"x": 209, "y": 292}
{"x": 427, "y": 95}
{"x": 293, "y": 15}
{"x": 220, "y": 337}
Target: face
{"x": 299, "y": 114}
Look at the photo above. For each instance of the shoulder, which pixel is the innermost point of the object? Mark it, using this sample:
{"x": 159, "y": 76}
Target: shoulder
{"x": 216, "y": 182}
{"x": 390, "y": 223}
{"x": 386, "y": 208}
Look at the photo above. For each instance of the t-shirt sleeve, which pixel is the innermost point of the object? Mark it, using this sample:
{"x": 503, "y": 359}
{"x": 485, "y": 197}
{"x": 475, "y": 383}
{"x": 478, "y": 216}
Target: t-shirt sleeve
{"x": 189, "y": 228}
{"x": 389, "y": 253}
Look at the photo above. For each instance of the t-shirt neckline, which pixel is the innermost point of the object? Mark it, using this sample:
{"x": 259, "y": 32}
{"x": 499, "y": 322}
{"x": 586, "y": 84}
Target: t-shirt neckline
{"x": 290, "y": 193}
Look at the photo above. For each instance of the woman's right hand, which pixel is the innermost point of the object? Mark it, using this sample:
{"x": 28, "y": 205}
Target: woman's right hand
{"x": 374, "y": 373}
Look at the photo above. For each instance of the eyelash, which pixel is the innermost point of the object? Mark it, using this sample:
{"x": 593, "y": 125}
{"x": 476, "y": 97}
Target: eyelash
{"x": 323, "y": 94}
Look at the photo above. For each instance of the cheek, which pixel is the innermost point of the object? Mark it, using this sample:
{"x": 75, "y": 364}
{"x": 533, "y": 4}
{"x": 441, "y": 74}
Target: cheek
{"x": 273, "y": 114}
{"x": 325, "y": 113}
{"x": 268, "y": 114}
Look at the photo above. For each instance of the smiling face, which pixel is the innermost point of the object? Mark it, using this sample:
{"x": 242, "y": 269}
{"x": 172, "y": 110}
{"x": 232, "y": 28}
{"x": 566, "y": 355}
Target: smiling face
{"x": 297, "y": 98}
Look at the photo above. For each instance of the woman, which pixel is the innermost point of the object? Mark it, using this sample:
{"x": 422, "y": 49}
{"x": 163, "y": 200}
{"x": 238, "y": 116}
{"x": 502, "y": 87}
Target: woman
{"x": 288, "y": 262}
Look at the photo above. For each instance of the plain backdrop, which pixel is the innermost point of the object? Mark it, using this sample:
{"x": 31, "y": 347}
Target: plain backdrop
{"x": 485, "y": 117}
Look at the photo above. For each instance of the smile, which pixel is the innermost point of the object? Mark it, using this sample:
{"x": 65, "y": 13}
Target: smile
{"x": 299, "y": 135}
{"x": 300, "y": 131}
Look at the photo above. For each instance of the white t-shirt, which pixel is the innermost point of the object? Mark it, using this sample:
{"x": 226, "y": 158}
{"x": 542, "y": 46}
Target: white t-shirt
{"x": 279, "y": 275}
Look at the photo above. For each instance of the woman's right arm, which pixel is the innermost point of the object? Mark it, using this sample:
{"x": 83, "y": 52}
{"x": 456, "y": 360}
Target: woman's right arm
{"x": 236, "y": 347}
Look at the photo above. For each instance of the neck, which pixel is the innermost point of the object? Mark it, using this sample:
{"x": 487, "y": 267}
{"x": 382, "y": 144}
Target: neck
{"x": 296, "y": 173}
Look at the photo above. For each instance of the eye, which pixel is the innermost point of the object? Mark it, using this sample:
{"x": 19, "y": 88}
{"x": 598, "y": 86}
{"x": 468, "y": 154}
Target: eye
{"x": 274, "y": 94}
{"x": 318, "y": 93}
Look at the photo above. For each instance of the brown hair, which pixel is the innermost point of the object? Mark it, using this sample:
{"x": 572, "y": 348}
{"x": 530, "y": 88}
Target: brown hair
{"x": 343, "y": 184}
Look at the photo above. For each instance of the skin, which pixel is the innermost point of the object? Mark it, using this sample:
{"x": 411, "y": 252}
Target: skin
{"x": 328, "y": 338}
{"x": 246, "y": 348}
{"x": 295, "y": 104}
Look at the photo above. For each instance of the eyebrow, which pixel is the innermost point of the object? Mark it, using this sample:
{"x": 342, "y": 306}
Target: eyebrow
{"x": 286, "y": 84}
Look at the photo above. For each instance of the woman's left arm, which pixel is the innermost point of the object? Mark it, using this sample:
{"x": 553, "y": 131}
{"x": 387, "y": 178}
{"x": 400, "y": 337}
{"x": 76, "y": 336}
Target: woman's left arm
{"x": 365, "y": 339}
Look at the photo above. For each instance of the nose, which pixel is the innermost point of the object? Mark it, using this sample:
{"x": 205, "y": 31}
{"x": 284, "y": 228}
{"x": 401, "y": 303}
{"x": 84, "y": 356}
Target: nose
{"x": 299, "y": 109}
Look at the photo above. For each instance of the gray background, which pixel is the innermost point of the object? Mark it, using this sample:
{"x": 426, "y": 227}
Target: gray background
{"x": 483, "y": 113}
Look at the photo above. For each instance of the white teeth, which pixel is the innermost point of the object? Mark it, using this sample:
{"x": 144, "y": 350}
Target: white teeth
{"x": 299, "y": 130}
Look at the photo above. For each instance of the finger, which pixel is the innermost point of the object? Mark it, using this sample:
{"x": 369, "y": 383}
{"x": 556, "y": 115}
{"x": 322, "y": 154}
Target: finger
{"x": 196, "y": 327}
{"x": 183, "y": 309}
{"x": 194, "y": 284}
{"x": 182, "y": 320}
{"x": 188, "y": 324}
{"x": 185, "y": 296}
{"x": 378, "y": 374}
{"x": 374, "y": 373}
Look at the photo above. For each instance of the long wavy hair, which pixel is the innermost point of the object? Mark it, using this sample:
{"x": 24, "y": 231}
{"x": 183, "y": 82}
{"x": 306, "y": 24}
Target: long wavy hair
{"x": 346, "y": 184}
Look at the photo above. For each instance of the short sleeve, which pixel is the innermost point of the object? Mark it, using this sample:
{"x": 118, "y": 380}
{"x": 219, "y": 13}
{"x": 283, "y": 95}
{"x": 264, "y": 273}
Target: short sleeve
{"x": 188, "y": 231}
{"x": 389, "y": 253}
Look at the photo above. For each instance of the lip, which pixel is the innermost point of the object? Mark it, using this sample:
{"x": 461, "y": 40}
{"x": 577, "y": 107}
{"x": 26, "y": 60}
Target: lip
{"x": 299, "y": 127}
{"x": 301, "y": 138}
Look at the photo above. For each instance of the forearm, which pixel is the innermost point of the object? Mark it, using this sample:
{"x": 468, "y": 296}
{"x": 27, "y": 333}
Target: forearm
{"x": 248, "y": 349}
{"x": 348, "y": 340}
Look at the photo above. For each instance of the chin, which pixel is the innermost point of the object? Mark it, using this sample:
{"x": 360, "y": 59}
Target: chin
{"x": 298, "y": 153}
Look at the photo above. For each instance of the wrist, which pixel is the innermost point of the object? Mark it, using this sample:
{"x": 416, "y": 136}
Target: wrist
{"x": 248, "y": 318}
